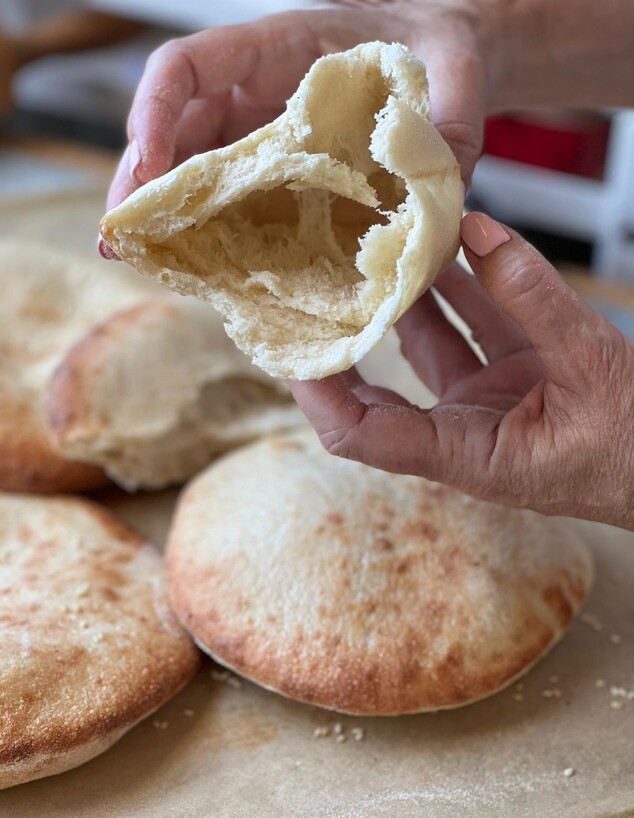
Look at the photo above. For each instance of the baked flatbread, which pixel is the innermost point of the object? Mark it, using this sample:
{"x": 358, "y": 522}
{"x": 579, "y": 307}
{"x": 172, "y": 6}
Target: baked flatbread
{"x": 48, "y": 300}
{"x": 157, "y": 391}
{"x": 315, "y": 233}
{"x": 362, "y": 591}
{"x": 88, "y": 644}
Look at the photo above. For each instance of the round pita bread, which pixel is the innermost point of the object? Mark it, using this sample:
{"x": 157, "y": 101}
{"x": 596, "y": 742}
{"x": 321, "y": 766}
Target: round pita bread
{"x": 314, "y": 234}
{"x": 362, "y": 591}
{"x": 48, "y": 300}
{"x": 88, "y": 643}
{"x": 189, "y": 395}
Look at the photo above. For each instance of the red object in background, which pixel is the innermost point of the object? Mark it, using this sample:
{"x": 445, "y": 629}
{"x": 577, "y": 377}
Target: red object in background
{"x": 567, "y": 142}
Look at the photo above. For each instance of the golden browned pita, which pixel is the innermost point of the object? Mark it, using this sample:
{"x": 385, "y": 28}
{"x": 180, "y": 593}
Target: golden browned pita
{"x": 48, "y": 300}
{"x": 362, "y": 591}
{"x": 88, "y": 644}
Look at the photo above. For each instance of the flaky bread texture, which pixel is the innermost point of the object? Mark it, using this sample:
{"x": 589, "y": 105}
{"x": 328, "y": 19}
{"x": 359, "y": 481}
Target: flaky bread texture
{"x": 89, "y": 645}
{"x": 314, "y": 234}
{"x": 362, "y": 591}
{"x": 49, "y": 299}
{"x": 157, "y": 391}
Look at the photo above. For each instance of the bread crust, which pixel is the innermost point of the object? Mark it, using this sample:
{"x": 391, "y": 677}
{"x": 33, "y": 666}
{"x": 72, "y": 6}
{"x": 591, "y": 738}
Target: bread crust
{"x": 366, "y": 592}
{"x": 157, "y": 391}
{"x": 48, "y": 299}
{"x": 89, "y": 644}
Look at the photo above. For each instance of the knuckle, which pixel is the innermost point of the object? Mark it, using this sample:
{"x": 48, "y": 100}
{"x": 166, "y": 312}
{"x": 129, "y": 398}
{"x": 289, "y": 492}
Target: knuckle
{"x": 167, "y": 51}
{"x": 521, "y": 277}
{"x": 463, "y": 135}
{"x": 343, "y": 441}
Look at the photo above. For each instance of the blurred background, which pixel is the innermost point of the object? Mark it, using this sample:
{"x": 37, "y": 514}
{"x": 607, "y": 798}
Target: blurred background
{"x": 564, "y": 179}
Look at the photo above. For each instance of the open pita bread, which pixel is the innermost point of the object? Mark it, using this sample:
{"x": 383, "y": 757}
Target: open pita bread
{"x": 157, "y": 391}
{"x": 48, "y": 300}
{"x": 315, "y": 233}
{"x": 362, "y": 591}
{"x": 89, "y": 646}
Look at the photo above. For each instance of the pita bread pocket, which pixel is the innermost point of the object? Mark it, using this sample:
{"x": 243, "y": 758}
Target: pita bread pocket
{"x": 315, "y": 233}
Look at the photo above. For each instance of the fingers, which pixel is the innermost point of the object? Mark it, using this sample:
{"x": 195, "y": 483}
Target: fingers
{"x": 206, "y": 64}
{"x": 493, "y": 330}
{"x": 124, "y": 182}
{"x": 451, "y": 444}
{"x": 437, "y": 352}
{"x": 456, "y": 90}
{"x": 529, "y": 290}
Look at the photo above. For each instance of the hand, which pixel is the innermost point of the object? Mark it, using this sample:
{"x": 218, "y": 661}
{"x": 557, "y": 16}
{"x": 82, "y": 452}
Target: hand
{"x": 545, "y": 424}
{"x": 216, "y": 86}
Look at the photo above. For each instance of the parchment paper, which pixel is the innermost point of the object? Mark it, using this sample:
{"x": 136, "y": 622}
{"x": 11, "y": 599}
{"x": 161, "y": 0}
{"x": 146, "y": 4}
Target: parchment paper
{"x": 232, "y": 752}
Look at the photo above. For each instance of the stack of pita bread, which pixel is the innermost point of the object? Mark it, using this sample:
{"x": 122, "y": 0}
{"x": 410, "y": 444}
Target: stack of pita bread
{"x": 321, "y": 579}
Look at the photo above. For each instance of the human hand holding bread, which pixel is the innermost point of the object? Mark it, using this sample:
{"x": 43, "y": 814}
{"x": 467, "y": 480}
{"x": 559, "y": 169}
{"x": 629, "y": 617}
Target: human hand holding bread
{"x": 496, "y": 437}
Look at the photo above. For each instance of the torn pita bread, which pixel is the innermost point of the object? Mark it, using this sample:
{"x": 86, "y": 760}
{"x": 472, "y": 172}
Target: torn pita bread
{"x": 157, "y": 391}
{"x": 314, "y": 234}
{"x": 48, "y": 300}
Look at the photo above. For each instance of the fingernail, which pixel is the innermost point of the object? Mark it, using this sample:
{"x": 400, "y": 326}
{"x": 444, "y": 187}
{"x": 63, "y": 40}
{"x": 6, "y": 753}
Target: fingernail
{"x": 106, "y": 251}
{"x": 481, "y": 234}
{"x": 135, "y": 158}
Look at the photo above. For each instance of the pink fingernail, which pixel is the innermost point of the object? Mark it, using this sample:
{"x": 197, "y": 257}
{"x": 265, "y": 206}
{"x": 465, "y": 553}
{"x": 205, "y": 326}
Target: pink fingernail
{"x": 135, "y": 158}
{"x": 106, "y": 251}
{"x": 481, "y": 234}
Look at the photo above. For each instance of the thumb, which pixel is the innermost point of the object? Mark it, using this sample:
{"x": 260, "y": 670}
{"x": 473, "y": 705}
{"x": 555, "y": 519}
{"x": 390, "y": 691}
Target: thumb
{"x": 526, "y": 287}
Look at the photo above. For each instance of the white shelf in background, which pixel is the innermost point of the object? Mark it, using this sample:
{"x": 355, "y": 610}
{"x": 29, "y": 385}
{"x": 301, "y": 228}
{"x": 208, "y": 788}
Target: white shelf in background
{"x": 601, "y": 212}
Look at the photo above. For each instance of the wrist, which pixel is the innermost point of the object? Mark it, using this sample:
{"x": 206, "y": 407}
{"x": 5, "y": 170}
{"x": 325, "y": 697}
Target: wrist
{"x": 575, "y": 53}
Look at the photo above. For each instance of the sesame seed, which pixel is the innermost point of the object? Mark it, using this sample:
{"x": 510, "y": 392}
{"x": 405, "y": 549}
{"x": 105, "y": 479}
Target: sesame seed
{"x": 569, "y": 772}
{"x": 553, "y": 679}
{"x": 615, "y": 639}
{"x": 519, "y": 686}
{"x": 341, "y": 738}
{"x": 518, "y": 697}
{"x": 233, "y": 682}
{"x": 160, "y": 725}
{"x": 188, "y": 712}
{"x": 357, "y": 733}
{"x": 616, "y": 705}
{"x": 337, "y": 728}
{"x": 599, "y": 683}
{"x": 547, "y": 694}
{"x": 321, "y": 732}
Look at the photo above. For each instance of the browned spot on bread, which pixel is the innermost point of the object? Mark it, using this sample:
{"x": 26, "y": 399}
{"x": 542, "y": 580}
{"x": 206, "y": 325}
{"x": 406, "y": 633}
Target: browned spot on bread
{"x": 28, "y": 462}
{"x": 334, "y": 519}
{"x": 282, "y": 445}
{"x": 434, "y": 611}
{"x": 77, "y": 692}
{"x": 556, "y": 600}
{"x": 421, "y": 530}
